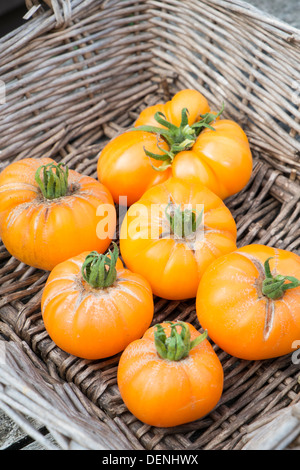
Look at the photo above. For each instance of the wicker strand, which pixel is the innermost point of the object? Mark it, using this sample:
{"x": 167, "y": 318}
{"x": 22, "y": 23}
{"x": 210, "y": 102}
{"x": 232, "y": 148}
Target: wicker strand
{"x": 62, "y": 10}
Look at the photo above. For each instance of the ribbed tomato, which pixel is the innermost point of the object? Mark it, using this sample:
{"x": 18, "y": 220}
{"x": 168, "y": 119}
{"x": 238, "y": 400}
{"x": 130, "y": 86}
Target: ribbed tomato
{"x": 180, "y": 138}
{"x": 249, "y": 302}
{"x": 173, "y": 233}
{"x": 93, "y": 307}
{"x": 171, "y": 376}
{"x": 49, "y": 213}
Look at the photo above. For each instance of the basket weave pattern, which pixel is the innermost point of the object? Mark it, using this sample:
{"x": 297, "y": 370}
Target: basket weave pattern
{"x": 75, "y": 76}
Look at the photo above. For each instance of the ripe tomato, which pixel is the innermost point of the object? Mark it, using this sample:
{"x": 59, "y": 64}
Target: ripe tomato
{"x": 194, "y": 101}
{"x": 186, "y": 140}
{"x": 173, "y": 233}
{"x": 171, "y": 376}
{"x": 125, "y": 169}
{"x": 48, "y": 214}
{"x": 220, "y": 159}
{"x": 93, "y": 307}
{"x": 250, "y": 311}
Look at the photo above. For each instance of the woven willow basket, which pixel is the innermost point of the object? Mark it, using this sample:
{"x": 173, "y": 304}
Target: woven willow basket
{"x": 77, "y": 73}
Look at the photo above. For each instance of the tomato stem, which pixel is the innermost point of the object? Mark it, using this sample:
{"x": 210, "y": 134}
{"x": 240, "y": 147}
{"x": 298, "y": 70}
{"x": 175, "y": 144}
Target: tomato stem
{"x": 178, "y": 345}
{"x": 54, "y": 183}
{"x": 183, "y": 223}
{"x": 275, "y": 287}
{"x": 99, "y": 270}
{"x": 178, "y": 138}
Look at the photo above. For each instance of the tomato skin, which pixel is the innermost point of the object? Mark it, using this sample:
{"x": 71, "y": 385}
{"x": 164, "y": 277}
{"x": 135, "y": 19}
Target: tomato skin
{"x": 95, "y": 323}
{"x": 189, "y": 165}
{"x": 223, "y": 159}
{"x": 194, "y": 101}
{"x": 165, "y": 393}
{"x": 42, "y": 232}
{"x": 232, "y": 308}
{"x": 125, "y": 169}
{"x": 147, "y": 115}
{"x": 174, "y": 267}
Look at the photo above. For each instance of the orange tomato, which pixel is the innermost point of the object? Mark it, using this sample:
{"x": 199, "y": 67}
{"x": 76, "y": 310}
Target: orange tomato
{"x": 42, "y": 230}
{"x": 180, "y": 138}
{"x": 164, "y": 389}
{"x": 194, "y": 101}
{"x": 249, "y": 302}
{"x": 173, "y": 233}
{"x": 94, "y": 310}
{"x": 220, "y": 159}
{"x": 125, "y": 169}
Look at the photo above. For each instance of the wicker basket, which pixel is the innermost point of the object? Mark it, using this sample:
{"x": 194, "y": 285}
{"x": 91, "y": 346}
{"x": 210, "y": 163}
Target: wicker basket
{"x": 77, "y": 73}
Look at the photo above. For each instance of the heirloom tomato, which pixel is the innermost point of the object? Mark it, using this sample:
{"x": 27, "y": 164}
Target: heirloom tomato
{"x": 172, "y": 234}
{"x": 186, "y": 140}
{"x": 93, "y": 307}
{"x": 249, "y": 302}
{"x": 192, "y": 100}
{"x": 126, "y": 170}
{"x": 170, "y": 376}
{"x": 49, "y": 213}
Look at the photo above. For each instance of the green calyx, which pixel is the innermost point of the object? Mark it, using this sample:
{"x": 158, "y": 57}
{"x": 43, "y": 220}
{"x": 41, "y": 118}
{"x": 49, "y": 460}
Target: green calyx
{"x": 274, "y": 287}
{"x": 99, "y": 270}
{"x": 183, "y": 223}
{"x": 54, "y": 183}
{"x": 178, "y": 138}
{"x": 178, "y": 345}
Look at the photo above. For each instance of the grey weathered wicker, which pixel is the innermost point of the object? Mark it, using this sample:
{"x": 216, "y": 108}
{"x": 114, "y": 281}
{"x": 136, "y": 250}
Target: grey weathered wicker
{"x": 75, "y": 75}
